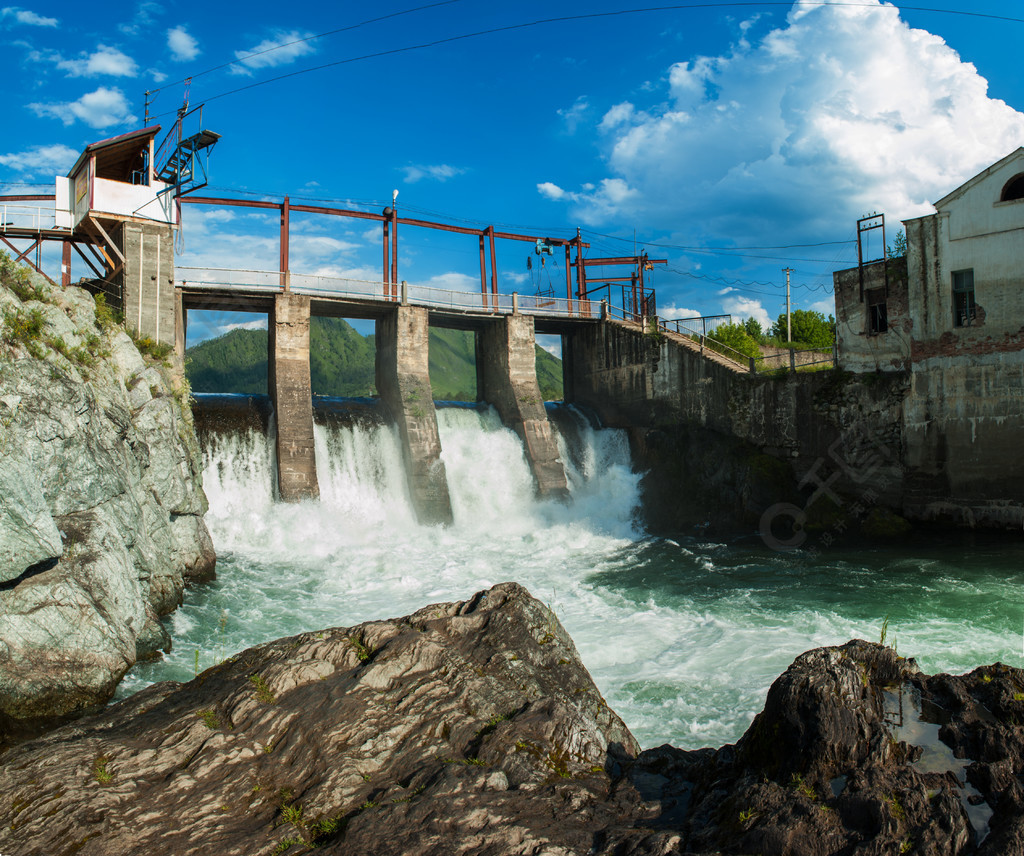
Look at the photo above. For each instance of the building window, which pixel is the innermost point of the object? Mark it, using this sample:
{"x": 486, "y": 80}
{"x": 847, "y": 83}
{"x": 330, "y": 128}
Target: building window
{"x": 878, "y": 316}
{"x": 963, "y": 298}
{"x": 1014, "y": 189}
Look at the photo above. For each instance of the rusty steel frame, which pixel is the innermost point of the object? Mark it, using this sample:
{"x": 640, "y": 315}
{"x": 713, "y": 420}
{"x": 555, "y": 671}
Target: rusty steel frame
{"x": 389, "y": 224}
{"x": 861, "y": 261}
{"x": 389, "y": 221}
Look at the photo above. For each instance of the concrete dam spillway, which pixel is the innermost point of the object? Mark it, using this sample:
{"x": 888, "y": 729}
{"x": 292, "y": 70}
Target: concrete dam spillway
{"x": 655, "y": 619}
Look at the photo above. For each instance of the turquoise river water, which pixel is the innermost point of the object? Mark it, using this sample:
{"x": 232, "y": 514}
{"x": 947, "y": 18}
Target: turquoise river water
{"x": 683, "y": 637}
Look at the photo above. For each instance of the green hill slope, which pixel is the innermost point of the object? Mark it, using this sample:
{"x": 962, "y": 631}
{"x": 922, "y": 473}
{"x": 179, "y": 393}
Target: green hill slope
{"x": 342, "y": 363}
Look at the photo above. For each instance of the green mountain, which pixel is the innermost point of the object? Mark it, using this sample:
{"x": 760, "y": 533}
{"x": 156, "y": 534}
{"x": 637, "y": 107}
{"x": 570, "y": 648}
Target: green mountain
{"x": 341, "y": 363}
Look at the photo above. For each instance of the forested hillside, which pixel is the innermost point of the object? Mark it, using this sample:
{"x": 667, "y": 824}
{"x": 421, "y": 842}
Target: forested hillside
{"x": 342, "y": 363}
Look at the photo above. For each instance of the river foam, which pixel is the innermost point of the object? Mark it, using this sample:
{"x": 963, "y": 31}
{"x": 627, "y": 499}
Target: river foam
{"x": 683, "y": 637}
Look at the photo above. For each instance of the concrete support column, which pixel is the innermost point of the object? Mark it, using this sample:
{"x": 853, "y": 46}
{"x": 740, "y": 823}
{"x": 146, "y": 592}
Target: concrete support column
{"x": 147, "y": 280}
{"x": 290, "y": 390}
{"x": 508, "y": 350}
{"x": 403, "y": 382}
{"x": 180, "y": 325}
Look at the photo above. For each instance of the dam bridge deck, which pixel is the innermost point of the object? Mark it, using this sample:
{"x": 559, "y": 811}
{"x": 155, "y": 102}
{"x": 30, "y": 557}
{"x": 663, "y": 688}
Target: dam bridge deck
{"x": 255, "y": 291}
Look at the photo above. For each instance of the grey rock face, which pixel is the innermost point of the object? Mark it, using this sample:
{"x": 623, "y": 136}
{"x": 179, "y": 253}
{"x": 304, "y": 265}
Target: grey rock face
{"x": 101, "y": 508}
{"x": 466, "y": 727}
{"x": 473, "y": 728}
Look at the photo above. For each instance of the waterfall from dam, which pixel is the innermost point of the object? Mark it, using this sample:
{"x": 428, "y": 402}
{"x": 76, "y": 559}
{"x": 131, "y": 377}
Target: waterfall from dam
{"x": 682, "y": 636}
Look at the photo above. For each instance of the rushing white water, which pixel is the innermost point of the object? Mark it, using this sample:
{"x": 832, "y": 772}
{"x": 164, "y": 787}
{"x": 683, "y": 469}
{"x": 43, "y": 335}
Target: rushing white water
{"x": 682, "y": 638}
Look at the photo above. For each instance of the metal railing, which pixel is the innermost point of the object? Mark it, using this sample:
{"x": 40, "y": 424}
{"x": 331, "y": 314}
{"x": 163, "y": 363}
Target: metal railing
{"x": 35, "y": 218}
{"x": 700, "y": 326}
{"x": 219, "y": 279}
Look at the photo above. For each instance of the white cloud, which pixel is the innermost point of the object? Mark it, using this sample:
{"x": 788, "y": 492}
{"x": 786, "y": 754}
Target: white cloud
{"x": 258, "y": 324}
{"x": 280, "y": 49}
{"x": 98, "y": 109}
{"x": 742, "y": 308}
{"x": 104, "y": 60}
{"x": 24, "y": 16}
{"x": 842, "y": 110}
{"x": 438, "y": 172}
{"x": 673, "y": 312}
{"x": 41, "y": 160}
{"x": 454, "y": 282}
{"x": 596, "y": 203}
{"x": 551, "y": 343}
{"x": 145, "y": 16}
{"x": 551, "y": 191}
{"x": 318, "y": 246}
{"x": 183, "y": 47}
{"x": 575, "y": 115}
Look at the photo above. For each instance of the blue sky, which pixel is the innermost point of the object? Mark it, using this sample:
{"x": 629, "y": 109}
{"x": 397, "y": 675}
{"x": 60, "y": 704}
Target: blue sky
{"x": 732, "y": 139}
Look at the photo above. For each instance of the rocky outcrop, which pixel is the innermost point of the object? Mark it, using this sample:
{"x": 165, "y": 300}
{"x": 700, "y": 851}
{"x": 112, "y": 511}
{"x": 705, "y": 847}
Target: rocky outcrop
{"x": 472, "y": 728}
{"x": 101, "y": 502}
{"x": 465, "y": 728}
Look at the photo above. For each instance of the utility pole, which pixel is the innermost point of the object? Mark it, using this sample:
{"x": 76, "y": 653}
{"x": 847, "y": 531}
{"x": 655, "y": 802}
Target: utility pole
{"x": 789, "y": 323}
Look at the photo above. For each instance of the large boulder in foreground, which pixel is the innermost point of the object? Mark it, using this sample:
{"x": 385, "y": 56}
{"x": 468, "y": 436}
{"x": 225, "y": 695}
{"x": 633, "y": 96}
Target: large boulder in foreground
{"x": 101, "y": 501}
{"x": 466, "y": 727}
{"x": 473, "y": 728}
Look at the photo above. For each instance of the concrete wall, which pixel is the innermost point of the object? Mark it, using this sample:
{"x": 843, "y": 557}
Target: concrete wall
{"x": 839, "y": 437}
{"x": 403, "y": 383}
{"x": 147, "y": 280}
{"x": 290, "y": 391}
{"x": 859, "y": 349}
{"x": 507, "y": 366}
{"x": 964, "y": 421}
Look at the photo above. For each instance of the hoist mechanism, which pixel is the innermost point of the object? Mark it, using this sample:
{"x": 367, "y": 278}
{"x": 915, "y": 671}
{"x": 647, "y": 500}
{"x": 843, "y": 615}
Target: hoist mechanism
{"x": 544, "y": 246}
{"x": 178, "y": 161}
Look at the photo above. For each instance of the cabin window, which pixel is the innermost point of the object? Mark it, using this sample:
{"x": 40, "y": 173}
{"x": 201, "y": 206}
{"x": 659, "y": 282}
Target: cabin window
{"x": 963, "y": 298}
{"x": 878, "y": 316}
{"x": 1014, "y": 189}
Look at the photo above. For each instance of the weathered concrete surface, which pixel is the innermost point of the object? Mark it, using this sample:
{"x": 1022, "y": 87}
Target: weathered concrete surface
{"x": 403, "y": 383}
{"x": 148, "y": 279}
{"x": 101, "y": 507}
{"x": 472, "y": 728}
{"x": 963, "y": 422}
{"x": 292, "y": 394}
{"x": 507, "y": 372}
{"x": 860, "y": 350}
{"x": 839, "y": 436}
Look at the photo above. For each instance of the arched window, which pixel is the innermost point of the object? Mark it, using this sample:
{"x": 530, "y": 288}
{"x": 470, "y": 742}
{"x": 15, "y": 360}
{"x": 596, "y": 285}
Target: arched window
{"x": 1014, "y": 189}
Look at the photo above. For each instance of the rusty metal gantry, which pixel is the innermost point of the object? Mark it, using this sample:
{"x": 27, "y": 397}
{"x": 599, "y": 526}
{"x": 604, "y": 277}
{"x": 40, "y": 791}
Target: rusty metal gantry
{"x": 38, "y": 235}
{"x": 638, "y": 300}
{"x": 390, "y": 221}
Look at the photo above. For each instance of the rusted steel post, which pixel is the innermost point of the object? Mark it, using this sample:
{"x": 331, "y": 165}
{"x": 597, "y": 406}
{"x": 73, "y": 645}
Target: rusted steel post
{"x": 394, "y": 252}
{"x": 65, "y": 265}
{"x": 386, "y": 267}
{"x": 285, "y": 217}
{"x": 635, "y": 308}
{"x": 483, "y": 273}
{"x": 568, "y": 280}
{"x": 494, "y": 270}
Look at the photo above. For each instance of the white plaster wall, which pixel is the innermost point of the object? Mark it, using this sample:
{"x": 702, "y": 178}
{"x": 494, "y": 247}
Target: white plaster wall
{"x": 134, "y": 200}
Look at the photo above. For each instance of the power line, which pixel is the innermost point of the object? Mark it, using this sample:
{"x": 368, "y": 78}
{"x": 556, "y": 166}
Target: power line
{"x": 560, "y": 20}
{"x": 722, "y": 249}
{"x": 242, "y": 60}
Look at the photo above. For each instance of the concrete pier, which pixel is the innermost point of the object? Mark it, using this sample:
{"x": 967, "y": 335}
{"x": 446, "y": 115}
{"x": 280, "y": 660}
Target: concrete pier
{"x": 147, "y": 279}
{"x": 507, "y": 367}
{"x": 290, "y": 390}
{"x": 403, "y": 383}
